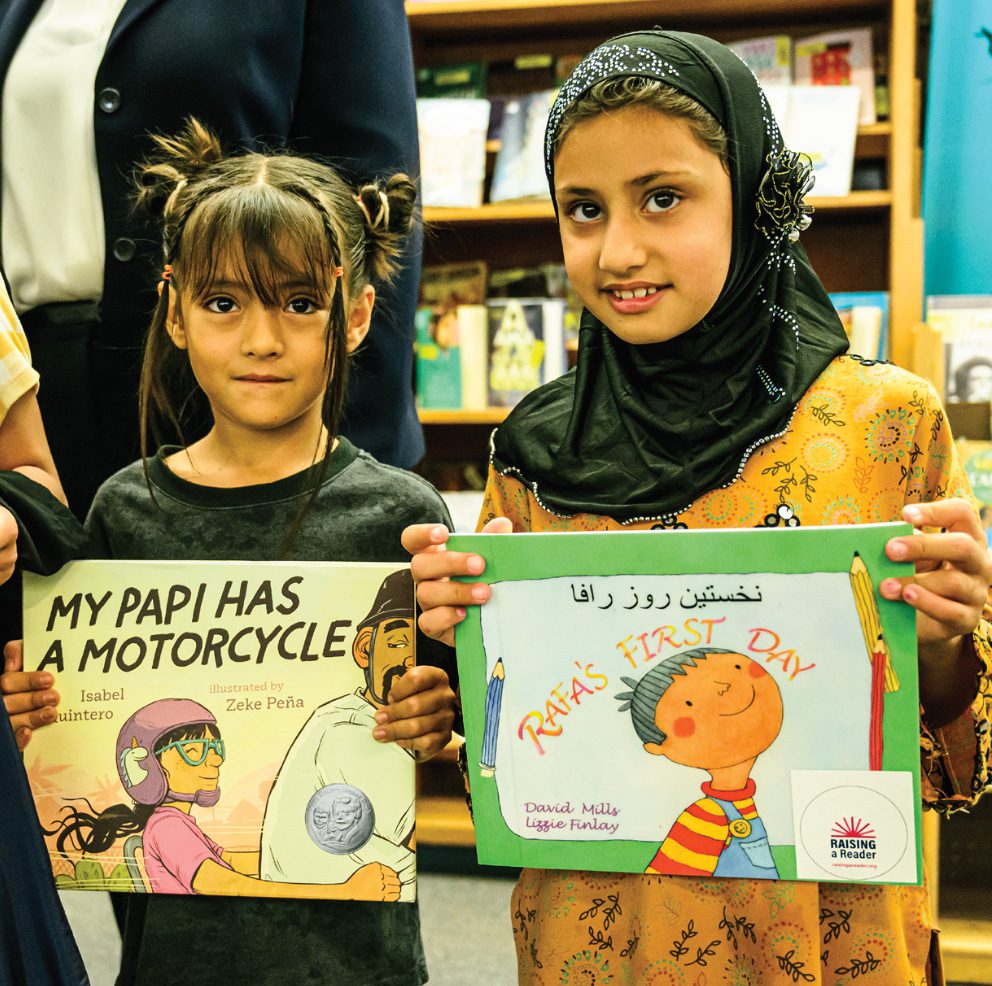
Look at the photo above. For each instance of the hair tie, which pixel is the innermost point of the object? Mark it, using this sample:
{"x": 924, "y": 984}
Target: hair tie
{"x": 382, "y": 217}
{"x": 167, "y": 273}
{"x": 338, "y": 271}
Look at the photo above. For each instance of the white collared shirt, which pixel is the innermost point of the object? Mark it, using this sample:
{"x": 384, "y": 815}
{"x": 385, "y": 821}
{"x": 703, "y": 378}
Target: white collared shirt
{"x": 53, "y": 236}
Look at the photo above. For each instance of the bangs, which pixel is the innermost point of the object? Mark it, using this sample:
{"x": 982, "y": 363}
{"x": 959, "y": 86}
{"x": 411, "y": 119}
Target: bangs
{"x": 257, "y": 236}
{"x": 194, "y": 731}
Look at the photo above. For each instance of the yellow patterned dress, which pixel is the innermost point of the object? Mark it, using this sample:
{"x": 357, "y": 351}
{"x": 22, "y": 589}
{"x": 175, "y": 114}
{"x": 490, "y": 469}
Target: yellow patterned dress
{"x": 866, "y": 439}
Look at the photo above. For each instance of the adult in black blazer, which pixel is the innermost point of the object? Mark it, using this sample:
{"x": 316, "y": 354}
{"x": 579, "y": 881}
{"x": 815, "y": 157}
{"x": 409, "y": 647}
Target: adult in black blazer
{"x": 326, "y": 77}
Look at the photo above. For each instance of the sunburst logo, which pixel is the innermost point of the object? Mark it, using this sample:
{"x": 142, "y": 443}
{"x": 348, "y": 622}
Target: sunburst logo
{"x": 852, "y": 828}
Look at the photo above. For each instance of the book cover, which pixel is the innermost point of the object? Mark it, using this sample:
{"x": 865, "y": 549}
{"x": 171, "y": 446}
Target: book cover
{"x": 473, "y": 344}
{"x": 822, "y": 122}
{"x": 466, "y": 80}
{"x": 965, "y": 326}
{"x": 769, "y": 58}
{"x": 452, "y": 151}
{"x": 446, "y": 286}
{"x": 865, "y": 315}
{"x": 519, "y": 170}
{"x": 230, "y": 709}
{"x": 439, "y": 368}
{"x": 526, "y": 346}
{"x": 620, "y": 688}
{"x": 839, "y": 58}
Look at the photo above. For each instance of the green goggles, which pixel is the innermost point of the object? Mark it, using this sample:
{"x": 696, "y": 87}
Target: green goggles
{"x": 195, "y": 751}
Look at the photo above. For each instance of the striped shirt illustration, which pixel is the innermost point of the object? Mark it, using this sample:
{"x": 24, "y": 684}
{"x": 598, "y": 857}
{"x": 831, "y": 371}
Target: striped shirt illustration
{"x": 701, "y": 833}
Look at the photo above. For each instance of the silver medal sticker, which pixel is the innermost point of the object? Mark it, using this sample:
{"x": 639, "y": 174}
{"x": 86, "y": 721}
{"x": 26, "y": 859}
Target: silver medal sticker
{"x": 340, "y": 818}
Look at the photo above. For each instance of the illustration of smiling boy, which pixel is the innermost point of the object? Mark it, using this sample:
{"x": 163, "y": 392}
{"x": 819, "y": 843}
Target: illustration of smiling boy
{"x": 717, "y": 710}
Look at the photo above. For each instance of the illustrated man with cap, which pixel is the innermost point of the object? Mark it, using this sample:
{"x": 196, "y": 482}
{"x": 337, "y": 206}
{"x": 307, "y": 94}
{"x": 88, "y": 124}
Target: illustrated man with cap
{"x": 335, "y": 747}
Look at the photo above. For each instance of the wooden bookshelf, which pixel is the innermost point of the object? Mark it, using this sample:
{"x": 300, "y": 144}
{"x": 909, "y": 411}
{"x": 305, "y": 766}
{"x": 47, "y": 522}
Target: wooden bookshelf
{"x": 460, "y": 416}
{"x": 454, "y": 18}
{"x": 542, "y": 211}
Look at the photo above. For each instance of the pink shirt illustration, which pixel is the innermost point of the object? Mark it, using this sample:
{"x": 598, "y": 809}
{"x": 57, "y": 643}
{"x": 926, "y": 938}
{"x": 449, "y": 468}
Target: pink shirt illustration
{"x": 174, "y": 850}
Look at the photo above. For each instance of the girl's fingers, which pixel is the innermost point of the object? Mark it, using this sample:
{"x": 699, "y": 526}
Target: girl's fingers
{"x": 959, "y": 549}
{"x": 22, "y": 702}
{"x": 950, "y": 515}
{"x": 22, "y": 737}
{"x": 423, "y": 537}
{"x": 25, "y": 681}
{"x": 425, "y": 747}
{"x": 13, "y": 655}
{"x": 423, "y": 680}
{"x": 954, "y": 618}
{"x": 433, "y": 594}
{"x": 445, "y": 565}
{"x": 35, "y": 719}
{"x": 412, "y": 727}
{"x": 950, "y": 583}
{"x": 439, "y": 623}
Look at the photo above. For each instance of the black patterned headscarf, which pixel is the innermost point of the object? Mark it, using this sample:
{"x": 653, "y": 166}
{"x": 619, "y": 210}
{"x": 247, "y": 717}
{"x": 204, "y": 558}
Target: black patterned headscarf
{"x": 638, "y": 432}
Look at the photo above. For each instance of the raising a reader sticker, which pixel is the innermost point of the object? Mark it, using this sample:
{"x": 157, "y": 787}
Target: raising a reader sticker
{"x": 855, "y": 826}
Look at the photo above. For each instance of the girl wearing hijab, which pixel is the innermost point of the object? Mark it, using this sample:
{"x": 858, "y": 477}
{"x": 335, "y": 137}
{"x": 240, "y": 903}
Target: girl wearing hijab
{"x": 714, "y": 389}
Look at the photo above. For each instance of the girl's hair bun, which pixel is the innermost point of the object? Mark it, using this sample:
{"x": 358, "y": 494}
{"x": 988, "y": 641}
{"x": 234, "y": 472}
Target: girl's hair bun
{"x": 388, "y": 211}
{"x": 176, "y": 159}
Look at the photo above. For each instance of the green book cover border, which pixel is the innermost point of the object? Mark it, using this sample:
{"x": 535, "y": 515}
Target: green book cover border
{"x": 574, "y": 554}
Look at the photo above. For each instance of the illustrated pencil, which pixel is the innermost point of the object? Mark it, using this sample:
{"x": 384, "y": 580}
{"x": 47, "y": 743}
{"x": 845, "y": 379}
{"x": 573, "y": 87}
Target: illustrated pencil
{"x": 494, "y": 701}
{"x": 883, "y": 676}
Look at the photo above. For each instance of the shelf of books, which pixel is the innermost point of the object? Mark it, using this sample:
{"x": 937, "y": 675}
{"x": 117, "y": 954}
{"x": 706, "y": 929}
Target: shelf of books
{"x": 501, "y": 212}
{"x": 467, "y": 17}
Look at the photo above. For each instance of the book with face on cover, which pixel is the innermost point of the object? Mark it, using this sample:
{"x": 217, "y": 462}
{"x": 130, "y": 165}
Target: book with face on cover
{"x": 214, "y": 734}
{"x": 964, "y": 322}
{"x": 726, "y": 703}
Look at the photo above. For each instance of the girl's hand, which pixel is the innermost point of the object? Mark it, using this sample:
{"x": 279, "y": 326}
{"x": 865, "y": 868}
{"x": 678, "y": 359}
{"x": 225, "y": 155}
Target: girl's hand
{"x": 8, "y": 544}
{"x": 953, "y": 572}
{"x": 28, "y": 696}
{"x": 443, "y": 602}
{"x": 420, "y": 713}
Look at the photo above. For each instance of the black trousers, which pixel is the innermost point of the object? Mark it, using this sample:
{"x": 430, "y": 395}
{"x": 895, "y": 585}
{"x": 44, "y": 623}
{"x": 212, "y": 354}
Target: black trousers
{"x": 88, "y": 397}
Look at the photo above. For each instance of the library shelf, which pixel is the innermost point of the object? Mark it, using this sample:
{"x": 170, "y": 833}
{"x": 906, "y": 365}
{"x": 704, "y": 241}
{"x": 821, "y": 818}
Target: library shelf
{"x": 461, "y": 416}
{"x": 444, "y": 821}
{"x": 542, "y": 211}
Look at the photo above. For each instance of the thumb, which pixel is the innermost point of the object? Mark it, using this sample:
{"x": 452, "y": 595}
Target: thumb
{"x": 498, "y": 525}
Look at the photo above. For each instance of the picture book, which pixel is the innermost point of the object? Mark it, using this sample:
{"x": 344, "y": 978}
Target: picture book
{"x": 976, "y": 457}
{"x": 769, "y": 58}
{"x": 547, "y": 280}
{"x": 526, "y": 346}
{"x": 466, "y": 80}
{"x": 439, "y": 369}
{"x": 729, "y": 703}
{"x": 473, "y": 345}
{"x": 965, "y": 325}
{"x": 822, "y": 122}
{"x": 865, "y": 315}
{"x": 519, "y": 170}
{"x": 839, "y": 58}
{"x": 214, "y": 734}
{"x": 447, "y": 285}
{"x": 452, "y": 151}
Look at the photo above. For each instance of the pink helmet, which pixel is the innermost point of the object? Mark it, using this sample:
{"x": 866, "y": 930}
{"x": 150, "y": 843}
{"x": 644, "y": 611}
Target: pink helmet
{"x": 140, "y": 772}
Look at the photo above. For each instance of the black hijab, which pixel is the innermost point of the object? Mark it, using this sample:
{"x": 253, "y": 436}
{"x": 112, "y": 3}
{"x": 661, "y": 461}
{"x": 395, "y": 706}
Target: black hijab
{"x": 640, "y": 432}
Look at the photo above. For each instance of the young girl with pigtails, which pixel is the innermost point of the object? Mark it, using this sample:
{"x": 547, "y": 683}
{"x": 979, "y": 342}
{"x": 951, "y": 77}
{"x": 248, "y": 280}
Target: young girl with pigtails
{"x": 713, "y": 390}
{"x": 266, "y": 290}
